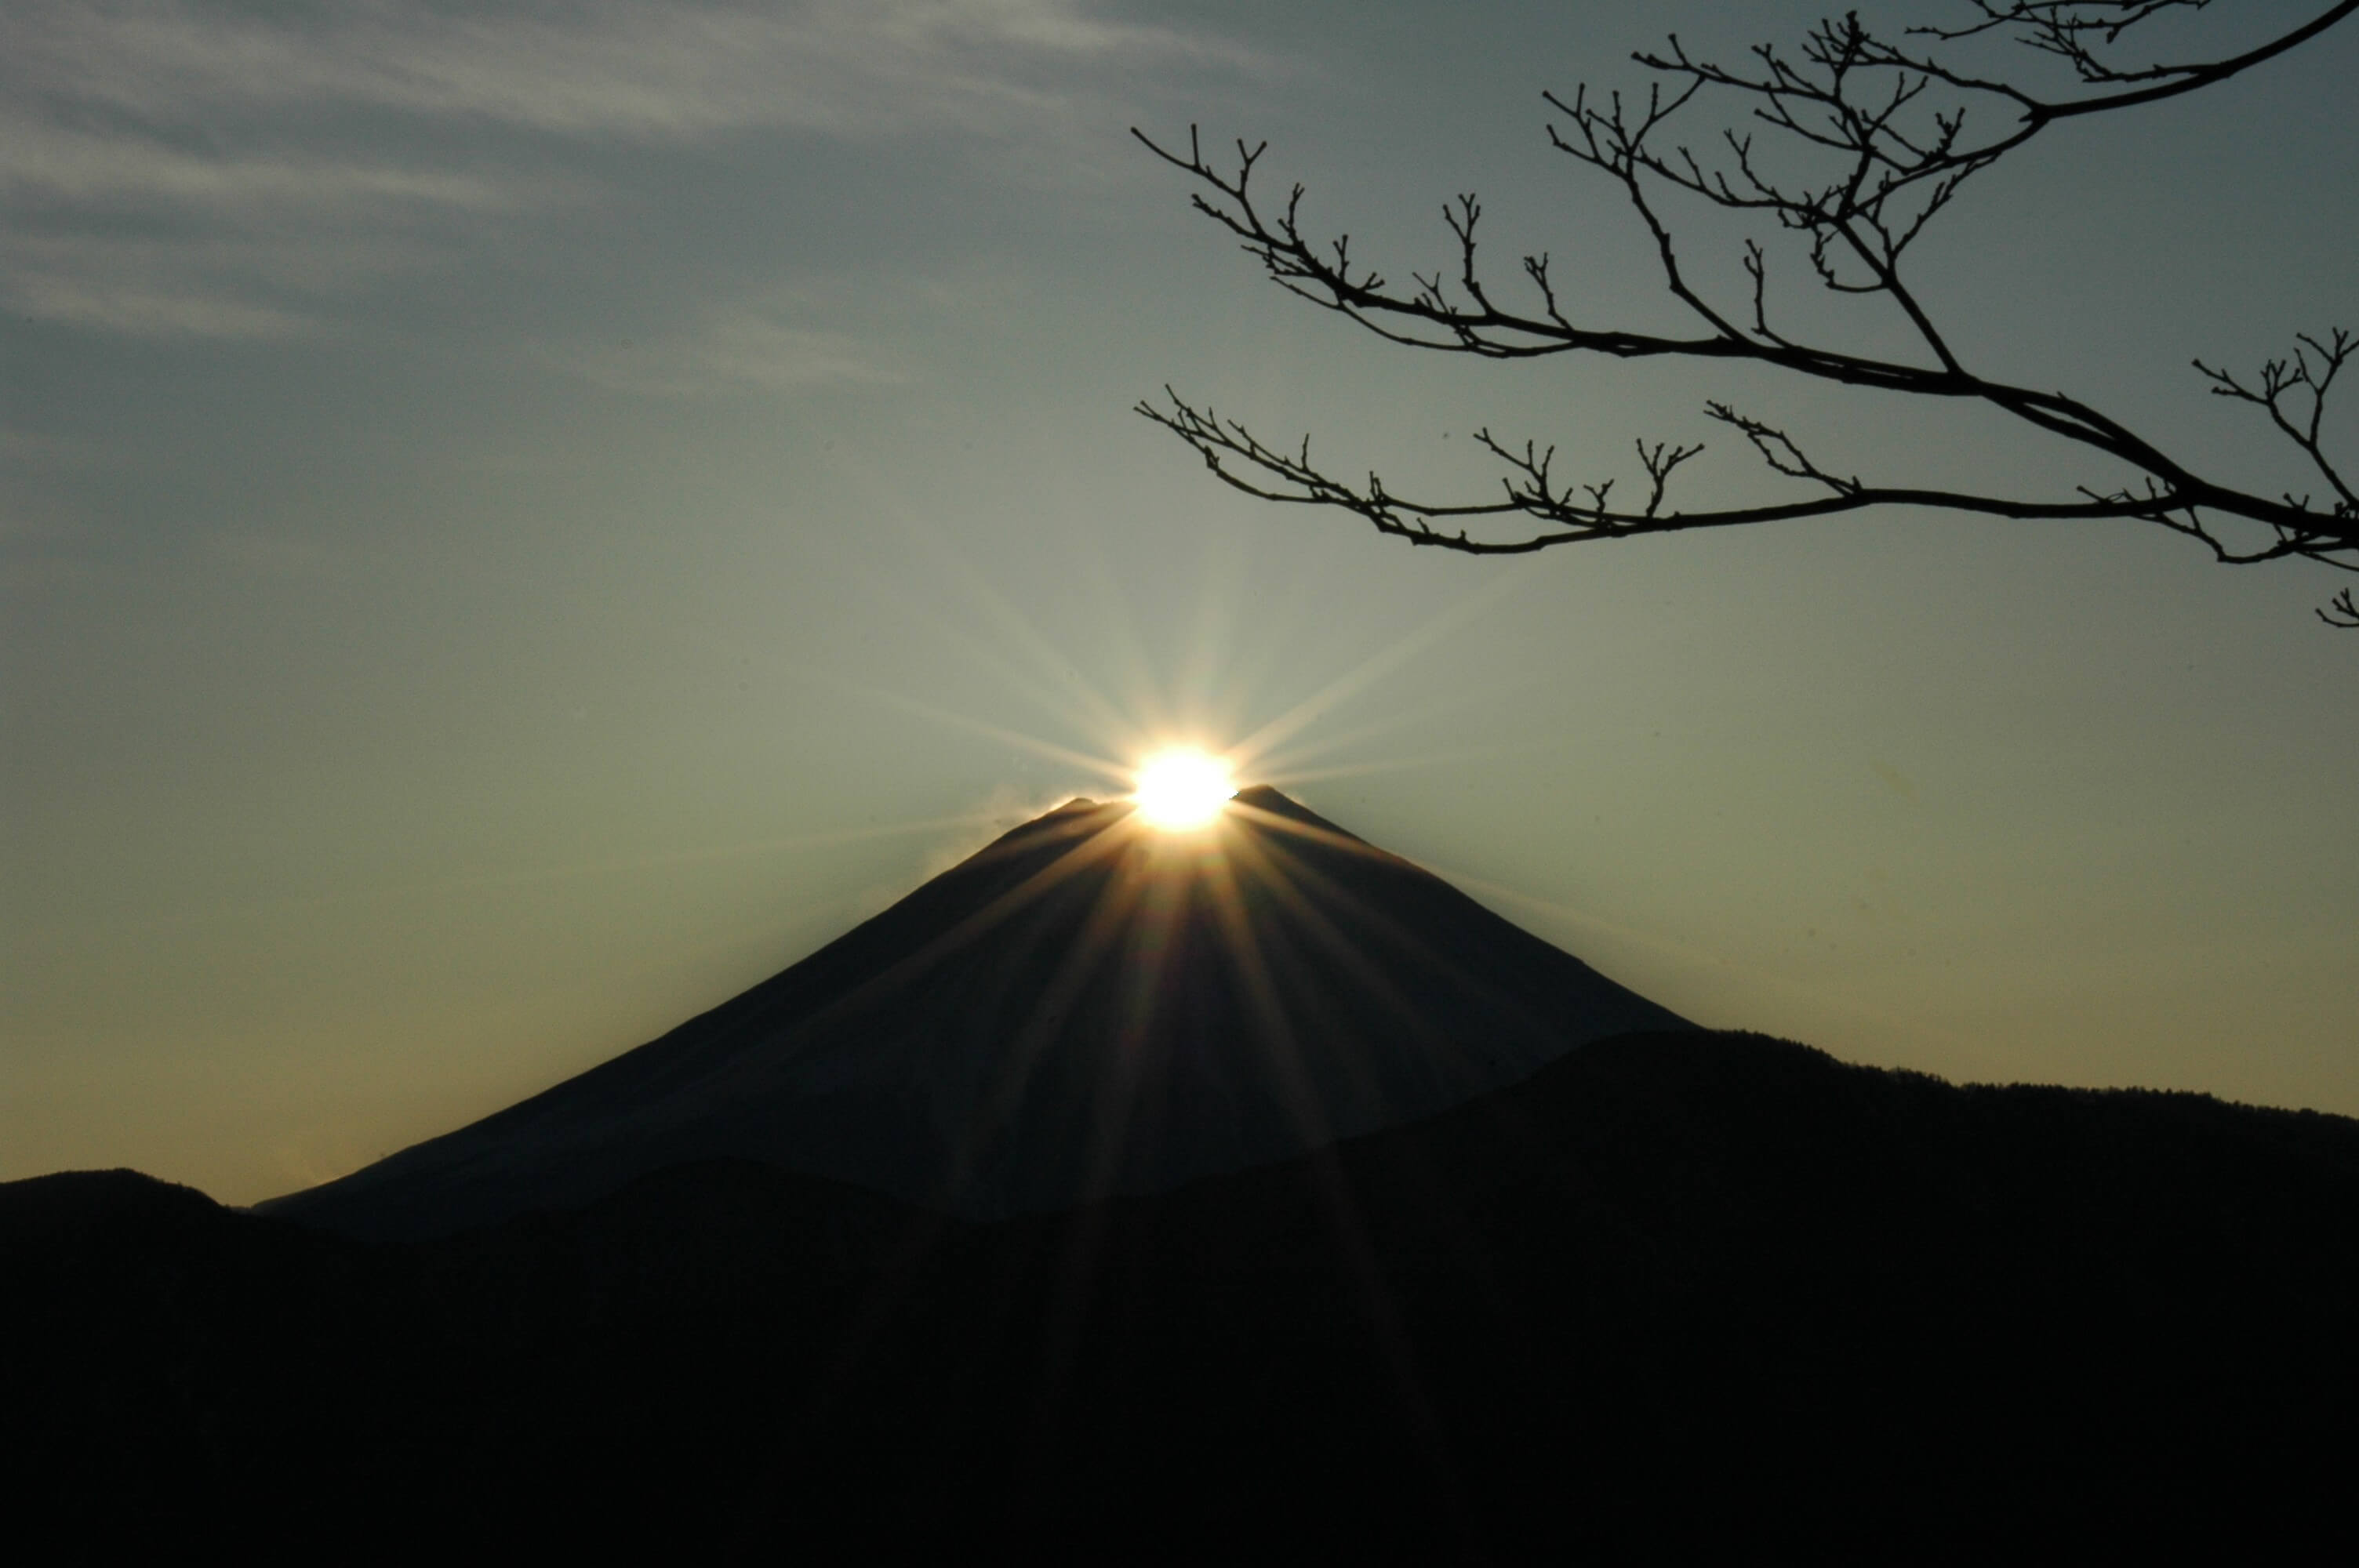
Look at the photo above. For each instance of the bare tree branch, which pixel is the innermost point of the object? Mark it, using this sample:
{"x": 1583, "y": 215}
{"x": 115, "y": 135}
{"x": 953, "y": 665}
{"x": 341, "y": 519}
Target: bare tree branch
{"x": 2074, "y": 29}
{"x": 1893, "y": 134}
{"x": 1243, "y": 460}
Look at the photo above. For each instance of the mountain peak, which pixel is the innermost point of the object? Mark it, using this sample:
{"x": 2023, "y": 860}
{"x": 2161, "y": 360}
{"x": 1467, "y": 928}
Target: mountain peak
{"x": 1085, "y": 1006}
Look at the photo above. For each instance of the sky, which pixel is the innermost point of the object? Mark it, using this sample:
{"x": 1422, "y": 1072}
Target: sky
{"x": 520, "y": 521}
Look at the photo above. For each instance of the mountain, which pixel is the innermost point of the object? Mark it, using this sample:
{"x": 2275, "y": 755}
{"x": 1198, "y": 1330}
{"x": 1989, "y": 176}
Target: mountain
{"x": 1670, "y": 1295}
{"x": 1087, "y": 1007}
{"x": 1245, "y": 1196}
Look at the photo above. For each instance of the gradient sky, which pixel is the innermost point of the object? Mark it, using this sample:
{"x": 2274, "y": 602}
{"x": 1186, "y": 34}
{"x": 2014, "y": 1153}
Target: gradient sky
{"x": 518, "y": 521}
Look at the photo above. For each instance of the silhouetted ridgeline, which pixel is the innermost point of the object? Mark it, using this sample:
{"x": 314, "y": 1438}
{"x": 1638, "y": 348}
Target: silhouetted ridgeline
{"x": 1674, "y": 1289}
{"x": 1087, "y": 1006}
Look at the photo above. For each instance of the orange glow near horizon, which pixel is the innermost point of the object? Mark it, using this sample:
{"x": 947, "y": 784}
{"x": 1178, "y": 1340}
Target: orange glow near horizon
{"x": 1182, "y": 789}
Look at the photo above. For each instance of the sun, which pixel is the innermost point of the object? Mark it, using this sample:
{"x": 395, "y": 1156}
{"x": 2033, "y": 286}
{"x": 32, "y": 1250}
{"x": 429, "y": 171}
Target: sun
{"x": 1183, "y": 788}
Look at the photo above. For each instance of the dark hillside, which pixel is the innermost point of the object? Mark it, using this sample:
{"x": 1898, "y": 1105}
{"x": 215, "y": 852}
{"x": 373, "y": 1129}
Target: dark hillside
{"x": 174, "y": 1371}
{"x": 1679, "y": 1290}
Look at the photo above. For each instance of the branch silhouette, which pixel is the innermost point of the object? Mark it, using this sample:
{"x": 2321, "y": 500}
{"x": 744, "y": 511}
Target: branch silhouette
{"x": 1894, "y": 132}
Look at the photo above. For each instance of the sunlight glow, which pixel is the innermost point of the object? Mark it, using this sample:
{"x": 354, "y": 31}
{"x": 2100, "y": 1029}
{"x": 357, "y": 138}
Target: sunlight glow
{"x": 1183, "y": 788}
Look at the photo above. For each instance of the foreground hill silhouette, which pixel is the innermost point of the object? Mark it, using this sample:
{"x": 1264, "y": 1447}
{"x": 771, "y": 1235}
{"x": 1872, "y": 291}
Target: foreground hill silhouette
{"x": 1088, "y": 1006}
{"x": 1672, "y": 1292}
{"x": 1246, "y": 1197}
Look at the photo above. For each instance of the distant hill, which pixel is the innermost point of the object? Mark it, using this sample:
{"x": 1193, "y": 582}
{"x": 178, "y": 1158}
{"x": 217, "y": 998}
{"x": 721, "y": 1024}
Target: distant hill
{"x": 1670, "y": 1292}
{"x": 1086, "y": 1007}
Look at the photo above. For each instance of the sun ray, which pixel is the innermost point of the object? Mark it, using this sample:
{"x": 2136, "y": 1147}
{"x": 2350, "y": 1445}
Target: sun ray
{"x": 1150, "y": 711}
{"x": 1510, "y": 1127}
{"x": 936, "y": 552}
{"x": 1086, "y": 851}
{"x": 1274, "y": 764}
{"x": 1260, "y": 818}
{"x": 1208, "y": 649}
{"x": 1292, "y": 777}
{"x": 1078, "y": 1264}
{"x": 1351, "y": 682}
{"x": 1234, "y": 924}
{"x": 1282, "y": 884}
{"x": 1348, "y": 1228}
{"x": 1067, "y": 698}
{"x": 1097, "y": 711}
{"x": 1105, "y": 767}
{"x": 1385, "y": 928}
{"x": 1074, "y": 971}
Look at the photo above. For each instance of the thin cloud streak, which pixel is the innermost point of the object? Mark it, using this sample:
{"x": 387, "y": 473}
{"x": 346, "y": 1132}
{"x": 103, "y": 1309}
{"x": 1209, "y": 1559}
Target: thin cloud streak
{"x": 731, "y": 352}
{"x": 49, "y": 162}
{"x": 201, "y": 121}
{"x": 256, "y": 280}
{"x": 150, "y": 312}
{"x": 624, "y": 70}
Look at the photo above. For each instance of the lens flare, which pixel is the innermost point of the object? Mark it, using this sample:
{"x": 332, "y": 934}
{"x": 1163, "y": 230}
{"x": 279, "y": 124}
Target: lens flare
{"x": 1183, "y": 788}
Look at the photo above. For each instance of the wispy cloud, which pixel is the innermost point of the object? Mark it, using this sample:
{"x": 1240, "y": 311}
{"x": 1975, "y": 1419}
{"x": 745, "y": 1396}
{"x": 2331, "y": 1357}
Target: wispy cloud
{"x": 176, "y": 310}
{"x": 293, "y": 129}
{"x": 272, "y": 274}
{"x": 624, "y": 68}
{"x": 48, "y": 162}
{"x": 736, "y": 349}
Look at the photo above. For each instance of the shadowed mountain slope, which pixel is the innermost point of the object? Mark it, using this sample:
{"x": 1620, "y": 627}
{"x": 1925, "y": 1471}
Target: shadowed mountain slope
{"x": 1670, "y": 1295}
{"x": 1088, "y": 1006}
